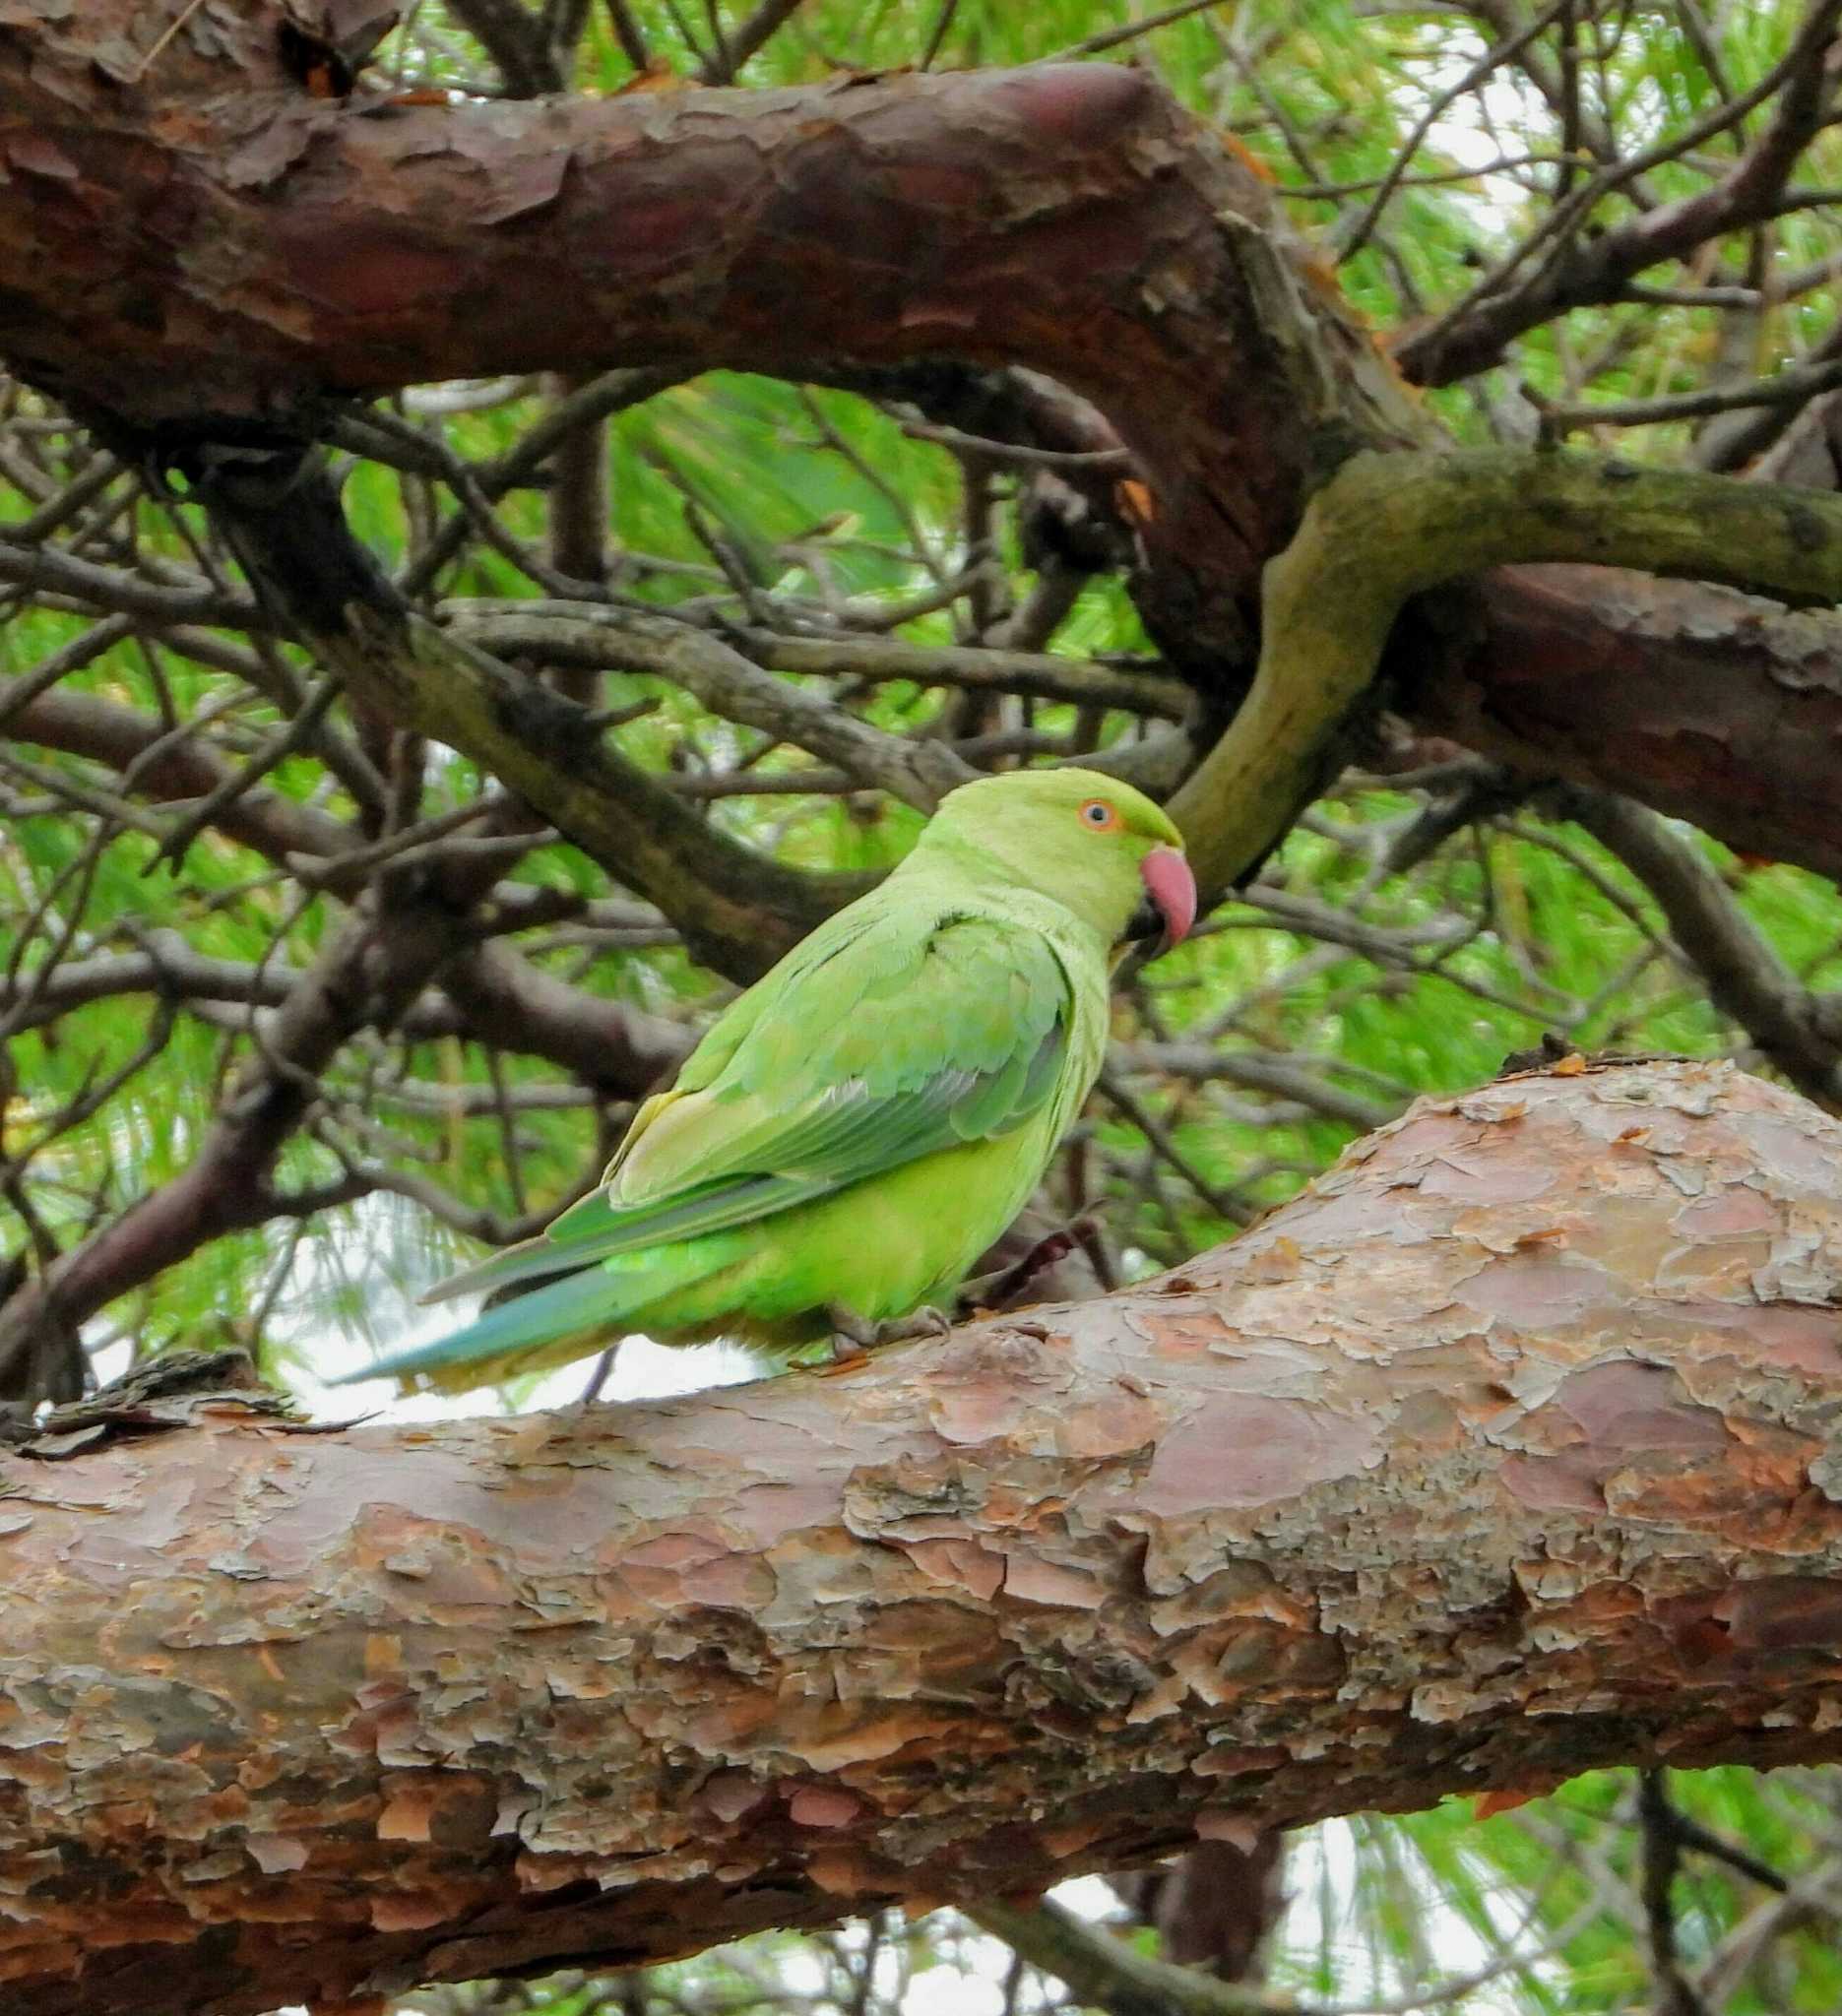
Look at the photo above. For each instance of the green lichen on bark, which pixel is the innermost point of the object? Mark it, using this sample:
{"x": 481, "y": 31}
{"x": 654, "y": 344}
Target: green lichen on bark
{"x": 1388, "y": 527}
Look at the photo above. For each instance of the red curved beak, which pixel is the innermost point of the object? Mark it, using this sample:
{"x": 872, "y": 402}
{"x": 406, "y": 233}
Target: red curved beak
{"x": 1172, "y": 888}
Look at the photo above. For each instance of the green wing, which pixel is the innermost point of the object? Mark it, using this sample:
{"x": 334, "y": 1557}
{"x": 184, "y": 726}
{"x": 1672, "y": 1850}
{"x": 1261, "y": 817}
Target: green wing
{"x": 881, "y": 1043}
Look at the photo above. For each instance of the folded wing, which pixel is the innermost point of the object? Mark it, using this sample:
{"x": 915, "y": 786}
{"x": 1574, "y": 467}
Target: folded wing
{"x": 889, "y": 1041}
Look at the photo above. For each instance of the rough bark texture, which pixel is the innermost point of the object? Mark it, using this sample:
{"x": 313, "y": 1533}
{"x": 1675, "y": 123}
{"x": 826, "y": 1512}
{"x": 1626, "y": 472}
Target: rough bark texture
{"x": 243, "y": 261}
{"x": 195, "y": 247}
{"x": 1709, "y": 704}
{"x": 1504, "y": 1451}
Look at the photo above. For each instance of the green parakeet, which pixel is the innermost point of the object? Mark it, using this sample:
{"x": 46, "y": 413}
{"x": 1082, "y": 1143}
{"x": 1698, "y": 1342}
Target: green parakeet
{"x": 856, "y": 1129}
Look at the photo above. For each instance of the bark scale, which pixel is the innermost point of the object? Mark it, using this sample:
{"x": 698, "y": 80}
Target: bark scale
{"x": 1506, "y": 1450}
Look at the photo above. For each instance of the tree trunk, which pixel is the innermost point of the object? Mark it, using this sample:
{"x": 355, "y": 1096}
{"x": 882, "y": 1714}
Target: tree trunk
{"x": 1500, "y": 1452}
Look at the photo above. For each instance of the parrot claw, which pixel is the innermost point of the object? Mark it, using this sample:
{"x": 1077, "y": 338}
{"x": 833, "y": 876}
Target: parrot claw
{"x": 850, "y": 1340}
{"x": 853, "y": 1338}
{"x": 926, "y": 1321}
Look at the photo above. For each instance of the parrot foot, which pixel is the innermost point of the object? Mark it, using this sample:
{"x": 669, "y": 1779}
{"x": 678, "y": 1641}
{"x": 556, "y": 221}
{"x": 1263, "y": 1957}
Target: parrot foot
{"x": 854, "y": 1337}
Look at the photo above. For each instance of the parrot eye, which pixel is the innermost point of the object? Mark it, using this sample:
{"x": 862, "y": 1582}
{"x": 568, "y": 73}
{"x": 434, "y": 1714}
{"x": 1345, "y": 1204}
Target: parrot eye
{"x": 1100, "y": 817}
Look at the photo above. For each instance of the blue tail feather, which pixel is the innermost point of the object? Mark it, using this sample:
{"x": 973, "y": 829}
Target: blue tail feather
{"x": 582, "y": 1301}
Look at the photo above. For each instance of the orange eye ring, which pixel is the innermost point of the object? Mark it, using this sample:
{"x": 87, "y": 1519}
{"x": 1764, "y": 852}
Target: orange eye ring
{"x": 1100, "y": 816}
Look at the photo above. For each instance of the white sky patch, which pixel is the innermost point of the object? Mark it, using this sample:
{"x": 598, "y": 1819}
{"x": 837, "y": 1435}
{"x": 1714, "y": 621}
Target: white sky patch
{"x": 643, "y": 1370}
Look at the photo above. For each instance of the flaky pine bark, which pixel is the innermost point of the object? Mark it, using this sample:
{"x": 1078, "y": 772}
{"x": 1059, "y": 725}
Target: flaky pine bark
{"x": 1675, "y": 678}
{"x": 198, "y": 249}
{"x": 1067, "y": 217}
{"x": 1504, "y": 1451}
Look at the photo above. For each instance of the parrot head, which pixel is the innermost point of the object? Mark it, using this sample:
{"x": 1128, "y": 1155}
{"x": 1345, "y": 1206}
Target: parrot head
{"x": 1096, "y": 844}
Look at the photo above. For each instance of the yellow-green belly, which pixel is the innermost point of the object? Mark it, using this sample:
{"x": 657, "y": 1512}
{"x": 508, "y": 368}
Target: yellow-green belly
{"x": 881, "y": 1249}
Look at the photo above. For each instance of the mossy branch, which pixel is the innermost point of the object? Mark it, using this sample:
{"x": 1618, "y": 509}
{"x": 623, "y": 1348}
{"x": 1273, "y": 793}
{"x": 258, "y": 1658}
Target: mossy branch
{"x": 737, "y": 909}
{"x": 1389, "y": 526}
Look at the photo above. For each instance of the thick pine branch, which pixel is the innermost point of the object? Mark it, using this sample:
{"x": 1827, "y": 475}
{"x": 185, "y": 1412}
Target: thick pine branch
{"x": 1072, "y": 218}
{"x": 1502, "y": 1452}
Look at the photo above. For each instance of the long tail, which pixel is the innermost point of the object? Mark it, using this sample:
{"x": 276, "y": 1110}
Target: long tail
{"x": 550, "y": 1325}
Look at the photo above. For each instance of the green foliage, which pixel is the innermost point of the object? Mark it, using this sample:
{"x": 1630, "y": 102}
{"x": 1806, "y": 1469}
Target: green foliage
{"x": 744, "y": 500}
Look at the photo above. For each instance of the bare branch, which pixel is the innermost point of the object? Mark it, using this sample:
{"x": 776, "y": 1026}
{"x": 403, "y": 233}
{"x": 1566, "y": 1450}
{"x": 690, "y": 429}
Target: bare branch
{"x": 608, "y": 1044}
{"x": 741, "y": 42}
{"x": 1474, "y": 332}
{"x": 729, "y": 686}
{"x": 1283, "y": 1077}
{"x": 1662, "y": 1855}
{"x": 1796, "y": 1030}
{"x": 738, "y": 909}
{"x": 1108, "y": 1975}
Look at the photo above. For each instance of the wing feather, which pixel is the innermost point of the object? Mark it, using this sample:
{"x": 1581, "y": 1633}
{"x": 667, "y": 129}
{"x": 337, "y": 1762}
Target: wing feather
{"x": 889, "y": 1042}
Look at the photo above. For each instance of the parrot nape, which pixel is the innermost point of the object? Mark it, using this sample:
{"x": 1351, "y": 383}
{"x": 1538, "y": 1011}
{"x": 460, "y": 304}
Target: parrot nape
{"x": 856, "y": 1129}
